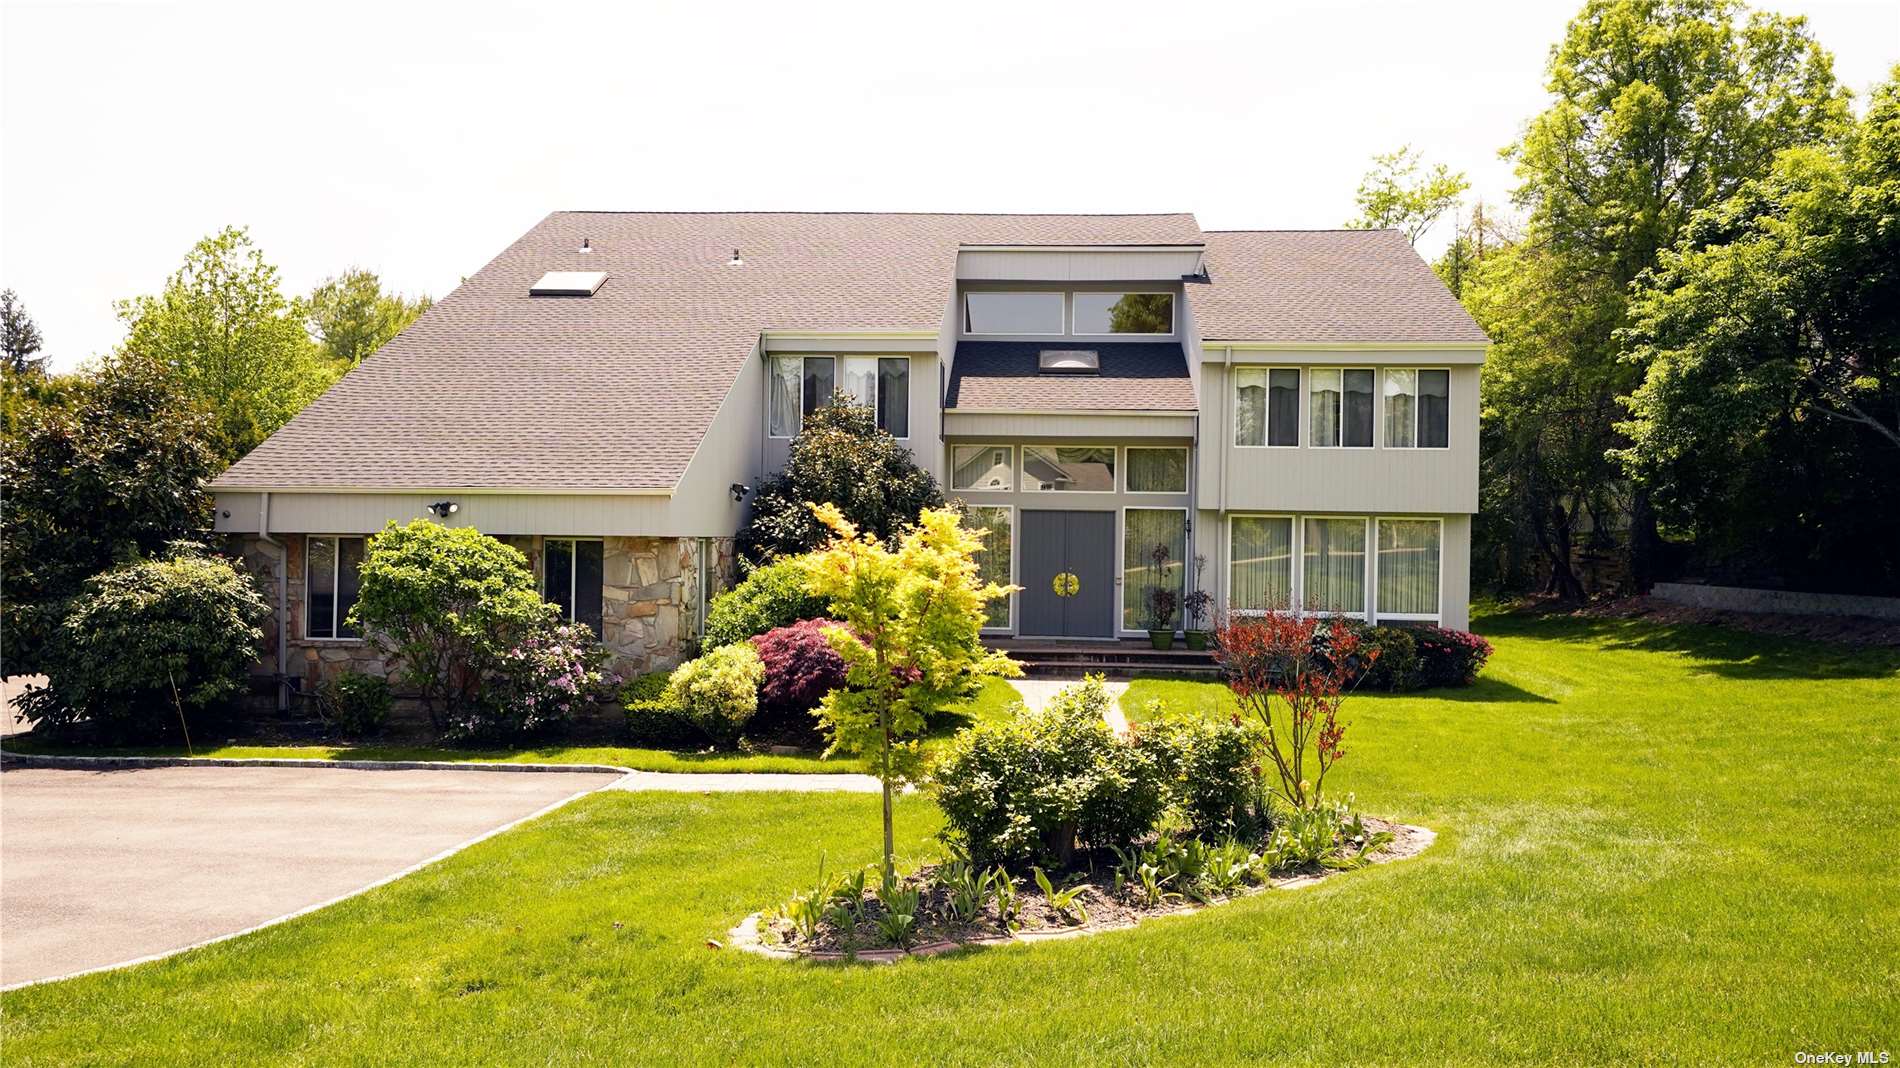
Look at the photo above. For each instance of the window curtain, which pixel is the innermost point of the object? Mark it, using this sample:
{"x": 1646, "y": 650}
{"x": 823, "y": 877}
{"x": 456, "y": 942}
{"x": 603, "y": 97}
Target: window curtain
{"x": 1408, "y": 567}
{"x": 1261, "y": 565}
{"x": 1250, "y": 406}
{"x": 785, "y": 389}
{"x": 1334, "y": 574}
{"x": 1157, "y": 470}
{"x": 893, "y": 395}
{"x": 1356, "y": 420}
{"x": 993, "y": 559}
{"x": 1283, "y": 401}
{"x": 1325, "y": 401}
{"x": 860, "y": 380}
{"x": 820, "y": 372}
{"x": 1144, "y": 528}
{"x": 1401, "y": 390}
{"x": 1434, "y": 409}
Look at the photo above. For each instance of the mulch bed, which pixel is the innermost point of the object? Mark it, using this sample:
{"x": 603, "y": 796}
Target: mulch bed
{"x": 936, "y": 932}
{"x": 1845, "y": 630}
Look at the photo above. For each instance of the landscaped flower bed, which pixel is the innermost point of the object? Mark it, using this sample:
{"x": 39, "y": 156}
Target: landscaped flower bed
{"x": 954, "y": 904}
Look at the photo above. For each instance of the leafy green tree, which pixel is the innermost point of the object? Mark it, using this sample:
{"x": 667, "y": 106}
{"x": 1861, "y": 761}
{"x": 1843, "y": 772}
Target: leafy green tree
{"x": 19, "y": 336}
{"x": 1478, "y": 235}
{"x": 446, "y": 604}
{"x": 839, "y": 457}
{"x": 226, "y": 332}
{"x": 114, "y": 473}
{"x": 1658, "y": 108}
{"x": 910, "y": 623}
{"x": 1401, "y": 193}
{"x": 351, "y": 316}
{"x": 151, "y": 646}
{"x": 1768, "y": 424}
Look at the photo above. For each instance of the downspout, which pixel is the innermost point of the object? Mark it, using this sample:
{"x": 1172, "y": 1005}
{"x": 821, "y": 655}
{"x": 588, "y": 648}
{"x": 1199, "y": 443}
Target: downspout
{"x": 283, "y": 601}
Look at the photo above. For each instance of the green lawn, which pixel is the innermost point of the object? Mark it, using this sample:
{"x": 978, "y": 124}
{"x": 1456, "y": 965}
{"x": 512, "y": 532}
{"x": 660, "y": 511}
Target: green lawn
{"x": 991, "y": 701}
{"x": 1662, "y": 845}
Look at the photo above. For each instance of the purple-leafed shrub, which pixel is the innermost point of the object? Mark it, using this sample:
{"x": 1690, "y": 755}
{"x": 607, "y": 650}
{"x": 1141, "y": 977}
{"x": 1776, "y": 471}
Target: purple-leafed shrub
{"x": 801, "y": 667}
{"x": 1449, "y": 657}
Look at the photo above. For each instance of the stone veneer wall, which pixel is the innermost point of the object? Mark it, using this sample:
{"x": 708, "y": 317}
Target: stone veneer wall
{"x": 649, "y": 604}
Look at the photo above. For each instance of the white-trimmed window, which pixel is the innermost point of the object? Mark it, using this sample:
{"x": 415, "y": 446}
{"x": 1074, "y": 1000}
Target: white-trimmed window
{"x": 1143, "y": 530}
{"x": 800, "y": 385}
{"x": 1341, "y": 401}
{"x": 1013, "y": 312}
{"x": 1260, "y": 564}
{"x": 1333, "y": 565}
{"x": 982, "y": 467}
{"x": 1410, "y": 553}
{"x": 1267, "y": 407}
{"x": 1153, "y": 469}
{"x": 994, "y": 558}
{"x": 1149, "y": 314}
{"x": 1069, "y": 468}
{"x": 1417, "y": 408}
{"x": 331, "y": 566}
{"x": 573, "y": 575}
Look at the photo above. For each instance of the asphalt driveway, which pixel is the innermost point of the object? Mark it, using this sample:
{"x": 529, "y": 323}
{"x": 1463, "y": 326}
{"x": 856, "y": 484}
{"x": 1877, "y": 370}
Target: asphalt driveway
{"x": 101, "y": 867}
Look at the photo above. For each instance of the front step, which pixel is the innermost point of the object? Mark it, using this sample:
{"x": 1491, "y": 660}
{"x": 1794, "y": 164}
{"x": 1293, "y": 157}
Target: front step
{"x": 1121, "y": 660}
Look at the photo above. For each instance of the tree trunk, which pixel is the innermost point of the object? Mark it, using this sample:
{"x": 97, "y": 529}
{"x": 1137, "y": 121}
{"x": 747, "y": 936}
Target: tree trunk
{"x": 1645, "y": 542}
{"x": 890, "y": 850}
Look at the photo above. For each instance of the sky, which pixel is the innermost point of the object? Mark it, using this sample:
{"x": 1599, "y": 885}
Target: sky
{"x": 418, "y": 140}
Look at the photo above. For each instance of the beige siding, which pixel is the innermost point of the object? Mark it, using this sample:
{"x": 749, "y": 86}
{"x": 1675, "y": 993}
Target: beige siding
{"x": 1056, "y": 266}
{"x": 1106, "y": 428}
{"x": 1430, "y": 481}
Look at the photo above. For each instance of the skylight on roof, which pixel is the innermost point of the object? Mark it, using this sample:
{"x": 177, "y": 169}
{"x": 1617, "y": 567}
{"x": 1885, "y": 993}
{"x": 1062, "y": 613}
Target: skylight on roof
{"x": 568, "y": 284}
{"x": 1069, "y": 362}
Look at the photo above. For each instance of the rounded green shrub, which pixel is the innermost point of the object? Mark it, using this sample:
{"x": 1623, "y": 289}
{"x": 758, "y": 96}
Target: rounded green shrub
{"x": 147, "y": 644}
{"x": 1212, "y": 770}
{"x": 770, "y": 597}
{"x": 719, "y": 692}
{"x": 357, "y": 702}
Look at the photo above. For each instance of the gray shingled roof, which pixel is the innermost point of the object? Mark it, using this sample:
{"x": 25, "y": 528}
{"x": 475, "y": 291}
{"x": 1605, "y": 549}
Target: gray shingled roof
{"x": 1324, "y": 286}
{"x": 1003, "y": 376}
{"x": 495, "y": 389}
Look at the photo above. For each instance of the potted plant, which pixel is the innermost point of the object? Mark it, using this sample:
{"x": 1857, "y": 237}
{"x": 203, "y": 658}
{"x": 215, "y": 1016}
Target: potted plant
{"x": 1161, "y": 600}
{"x": 1195, "y": 606}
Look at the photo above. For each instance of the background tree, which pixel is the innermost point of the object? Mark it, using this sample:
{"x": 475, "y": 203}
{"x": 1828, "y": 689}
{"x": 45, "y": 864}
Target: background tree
{"x": 115, "y": 473}
{"x": 1659, "y": 108}
{"x": 1768, "y": 424}
{"x": 350, "y": 316}
{"x": 234, "y": 342}
{"x": 1401, "y": 193}
{"x": 1477, "y": 235}
{"x": 19, "y": 336}
{"x": 909, "y": 626}
{"x": 839, "y": 457}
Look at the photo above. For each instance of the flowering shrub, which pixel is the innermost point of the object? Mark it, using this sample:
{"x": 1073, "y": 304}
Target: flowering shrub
{"x": 719, "y": 692}
{"x": 1307, "y": 667}
{"x": 539, "y": 680}
{"x": 801, "y": 667}
{"x": 1450, "y": 657}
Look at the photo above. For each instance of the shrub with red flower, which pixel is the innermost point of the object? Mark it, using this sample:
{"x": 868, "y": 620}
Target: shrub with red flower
{"x": 544, "y": 678}
{"x": 1450, "y": 657}
{"x": 1292, "y": 673}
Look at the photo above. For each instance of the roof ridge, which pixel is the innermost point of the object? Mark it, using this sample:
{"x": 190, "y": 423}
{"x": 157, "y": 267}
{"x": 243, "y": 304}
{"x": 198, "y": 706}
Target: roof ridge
{"x": 957, "y": 214}
{"x": 1313, "y": 230}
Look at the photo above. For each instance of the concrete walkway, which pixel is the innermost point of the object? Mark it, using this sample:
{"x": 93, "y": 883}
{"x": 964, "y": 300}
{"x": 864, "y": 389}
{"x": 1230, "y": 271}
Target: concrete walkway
{"x": 1037, "y": 693}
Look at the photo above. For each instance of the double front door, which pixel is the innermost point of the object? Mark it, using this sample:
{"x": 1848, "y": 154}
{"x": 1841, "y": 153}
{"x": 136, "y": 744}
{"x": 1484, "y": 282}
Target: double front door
{"x": 1068, "y": 575}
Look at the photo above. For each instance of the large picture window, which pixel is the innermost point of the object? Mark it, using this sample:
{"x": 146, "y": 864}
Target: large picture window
{"x": 1260, "y": 564}
{"x": 1417, "y": 412}
{"x": 1012, "y": 313}
{"x": 1157, "y": 470}
{"x": 572, "y": 576}
{"x": 1267, "y": 406}
{"x": 1142, "y": 530}
{"x": 1333, "y": 566}
{"x": 993, "y": 559}
{"x": 801, "y": 385}
{"x": 982, "y": 467}
{"x": 1122, "y": 313}
{"x": 1341, "y": 400}
{"x": 1408, "y": 568}
{"x": 330, "y": 576}
{"x": 1066, "y": 469}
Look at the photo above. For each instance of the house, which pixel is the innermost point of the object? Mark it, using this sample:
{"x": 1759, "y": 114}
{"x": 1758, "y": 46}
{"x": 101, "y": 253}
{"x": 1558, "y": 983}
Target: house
{"x": 1299, "y": 409}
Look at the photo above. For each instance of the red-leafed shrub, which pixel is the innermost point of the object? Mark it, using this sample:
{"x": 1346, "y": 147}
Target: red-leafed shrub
{"x": 1292, "y": 673}
{"x": 801, "y": 667}
{"x": 1449, "y": 657}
